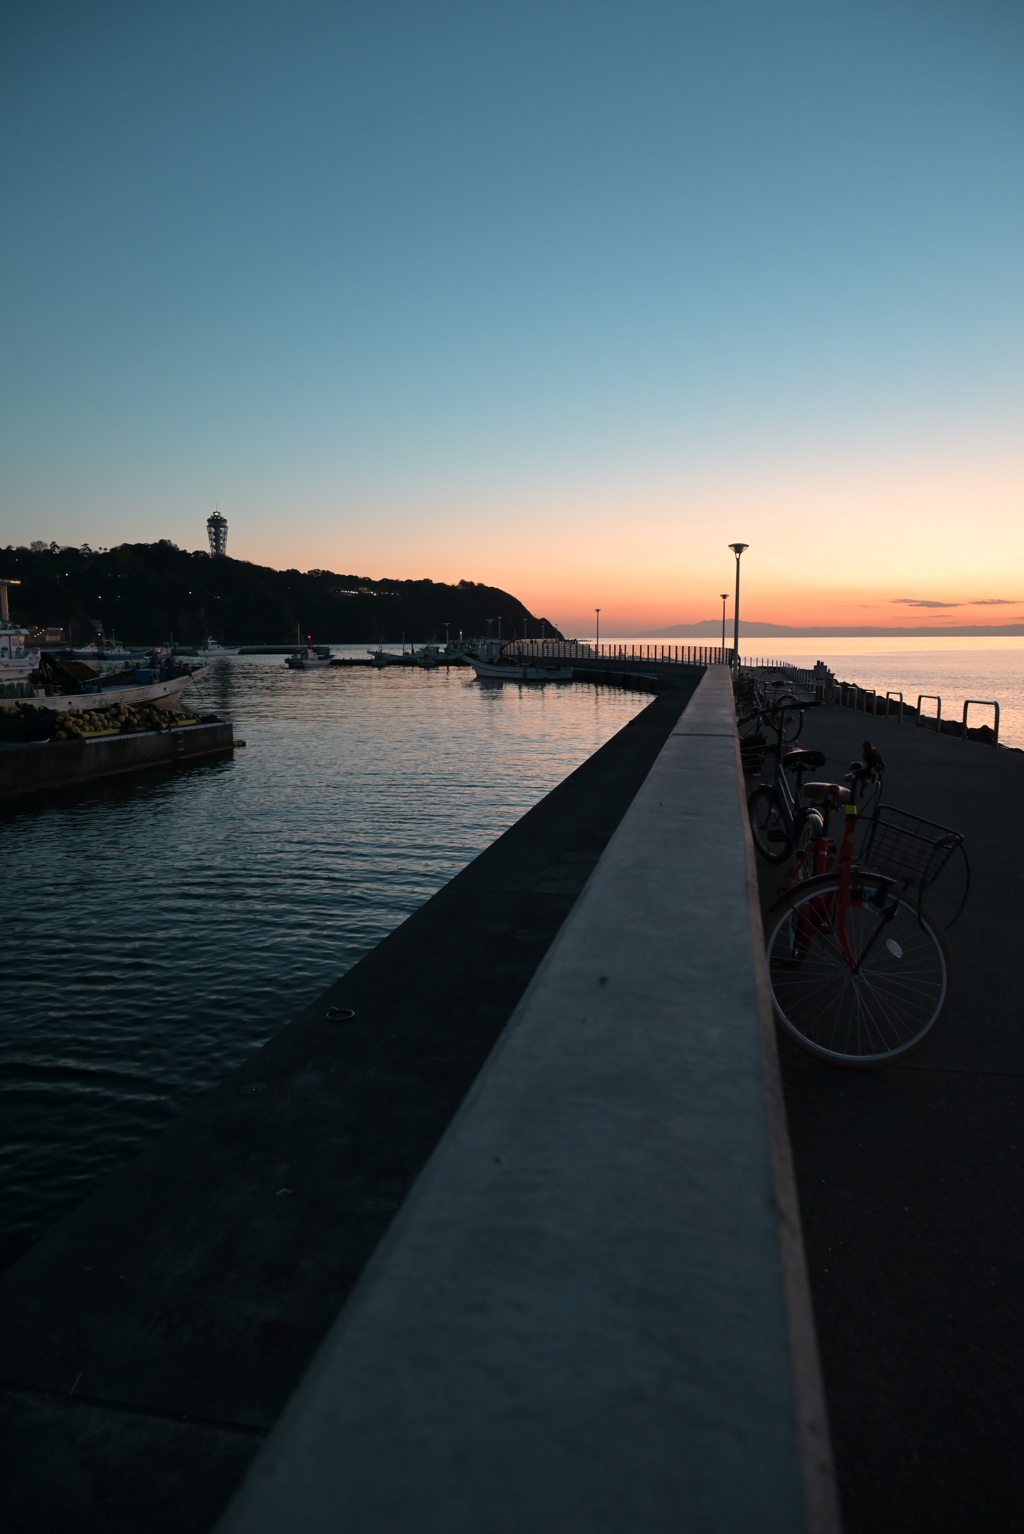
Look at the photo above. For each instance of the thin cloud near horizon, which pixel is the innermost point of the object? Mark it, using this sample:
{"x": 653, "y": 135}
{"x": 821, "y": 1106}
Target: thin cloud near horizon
{"x": 972, "y": 602}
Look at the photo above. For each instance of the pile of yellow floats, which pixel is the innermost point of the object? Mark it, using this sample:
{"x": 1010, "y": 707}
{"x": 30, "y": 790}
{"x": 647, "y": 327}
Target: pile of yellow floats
{"x": 118, "y": 719}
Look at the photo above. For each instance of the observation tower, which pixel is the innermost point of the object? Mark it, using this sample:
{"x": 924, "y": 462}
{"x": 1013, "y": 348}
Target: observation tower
{"x": 217, "y": 527}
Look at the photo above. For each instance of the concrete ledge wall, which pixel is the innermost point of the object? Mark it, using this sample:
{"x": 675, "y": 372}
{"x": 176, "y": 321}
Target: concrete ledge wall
{"x": 40, "y": 765}
{"x": 591, "y": 1313}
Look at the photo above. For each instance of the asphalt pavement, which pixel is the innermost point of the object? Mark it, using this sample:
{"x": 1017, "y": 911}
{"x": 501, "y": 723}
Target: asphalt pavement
{"x": 910, "y": 1180}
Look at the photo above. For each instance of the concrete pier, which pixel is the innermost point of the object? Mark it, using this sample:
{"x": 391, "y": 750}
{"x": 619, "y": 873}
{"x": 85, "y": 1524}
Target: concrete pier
{"x": 48, "y": 764}
{"x": 592, "y": 1312}
{"x": 150, "y": 1341}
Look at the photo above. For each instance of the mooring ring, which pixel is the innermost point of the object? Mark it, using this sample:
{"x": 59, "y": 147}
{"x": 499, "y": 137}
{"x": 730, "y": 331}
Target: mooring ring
{"x": 339, "y": 1014}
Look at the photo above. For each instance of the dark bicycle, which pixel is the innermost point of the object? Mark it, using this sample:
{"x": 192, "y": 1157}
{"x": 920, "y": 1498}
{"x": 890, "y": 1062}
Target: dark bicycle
{"x": 860, "y": 971}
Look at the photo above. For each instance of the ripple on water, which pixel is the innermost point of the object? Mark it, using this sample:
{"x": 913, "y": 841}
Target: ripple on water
{"x": 168, "y": 924}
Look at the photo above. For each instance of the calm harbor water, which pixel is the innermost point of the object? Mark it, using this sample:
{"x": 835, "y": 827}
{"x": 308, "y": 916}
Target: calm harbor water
{"x": 166, "y": 925}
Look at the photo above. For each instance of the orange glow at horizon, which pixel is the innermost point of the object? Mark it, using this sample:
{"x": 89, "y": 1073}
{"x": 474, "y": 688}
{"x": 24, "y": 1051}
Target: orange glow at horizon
{"x": 896, "y": 544}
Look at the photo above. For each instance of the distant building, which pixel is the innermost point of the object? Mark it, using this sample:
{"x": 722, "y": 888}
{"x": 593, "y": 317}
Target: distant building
{"x": 217, "y": 527}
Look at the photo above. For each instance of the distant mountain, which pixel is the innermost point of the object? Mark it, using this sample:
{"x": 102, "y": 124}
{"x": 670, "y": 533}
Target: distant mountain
{"x": 711, "y": 628}
{"x": 144, "y": 592}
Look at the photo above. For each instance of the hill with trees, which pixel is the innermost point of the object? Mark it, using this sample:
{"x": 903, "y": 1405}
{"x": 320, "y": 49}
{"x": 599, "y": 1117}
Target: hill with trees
{"x": 145, "y": 592}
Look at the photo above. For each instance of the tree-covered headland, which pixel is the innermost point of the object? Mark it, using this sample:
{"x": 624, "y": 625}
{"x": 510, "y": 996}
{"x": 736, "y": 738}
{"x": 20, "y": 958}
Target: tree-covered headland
{"x": 142, "y": 593}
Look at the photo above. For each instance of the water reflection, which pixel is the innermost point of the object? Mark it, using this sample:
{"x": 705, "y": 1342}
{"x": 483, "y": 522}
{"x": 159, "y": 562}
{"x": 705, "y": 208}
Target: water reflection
{"x": 167, "y": 924}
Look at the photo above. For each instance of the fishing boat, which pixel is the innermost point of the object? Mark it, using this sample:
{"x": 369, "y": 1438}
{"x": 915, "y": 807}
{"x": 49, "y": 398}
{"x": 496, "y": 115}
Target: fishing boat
{"x": 309, "y": 659}
{"x": 73, "y": 686}
{"x": 211, "y": 648}
{"x": 502, "y": 670}
{"x": 17, "y": 661}
{"x": 105, "y": 650}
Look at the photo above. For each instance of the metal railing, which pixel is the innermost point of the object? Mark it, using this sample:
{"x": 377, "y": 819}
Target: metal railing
{"x": 983, "y": 703}
{"x": 657, "y": 654}
{"x": 580, "y": 650}
{"x": 929, "y": 697}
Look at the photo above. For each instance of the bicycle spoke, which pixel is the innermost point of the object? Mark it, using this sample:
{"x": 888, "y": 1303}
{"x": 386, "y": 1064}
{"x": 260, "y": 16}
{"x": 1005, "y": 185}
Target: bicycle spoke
{"x": 859, "y": 1013}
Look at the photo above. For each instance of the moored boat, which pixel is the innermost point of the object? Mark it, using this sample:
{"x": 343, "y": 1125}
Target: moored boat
{"x": 17, "y": 662}
{"x": 73, "y": 686}
{"x": 309, "y": 659}
{"x": 520, "y": 671}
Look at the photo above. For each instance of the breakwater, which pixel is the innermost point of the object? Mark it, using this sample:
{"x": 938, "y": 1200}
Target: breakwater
{"x": 184, "y": 1300}
{"x": 200, "y": 1279}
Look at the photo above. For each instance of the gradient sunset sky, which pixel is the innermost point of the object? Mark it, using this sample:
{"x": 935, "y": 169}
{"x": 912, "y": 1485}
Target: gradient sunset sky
{"x": 559, "y": 296}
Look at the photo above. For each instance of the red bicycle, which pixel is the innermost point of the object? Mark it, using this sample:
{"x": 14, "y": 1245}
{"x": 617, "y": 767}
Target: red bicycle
{"x": 860, "y": 971}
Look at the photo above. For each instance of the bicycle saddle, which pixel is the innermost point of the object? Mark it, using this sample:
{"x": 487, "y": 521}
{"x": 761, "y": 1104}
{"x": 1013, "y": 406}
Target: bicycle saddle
{"x": 817, "y": 792}
{"x": 803, "y": 759}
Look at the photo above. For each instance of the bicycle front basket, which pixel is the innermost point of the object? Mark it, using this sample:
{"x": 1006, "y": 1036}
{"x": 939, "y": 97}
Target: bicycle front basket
{"x": 905, "y": 847}
{"x": 752, "y": 750}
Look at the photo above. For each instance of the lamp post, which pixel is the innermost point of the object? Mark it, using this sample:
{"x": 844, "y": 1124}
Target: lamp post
{"x": 737, "y": 549}
{"x": 597, "y": 639}
{"x": 725, "y": 598}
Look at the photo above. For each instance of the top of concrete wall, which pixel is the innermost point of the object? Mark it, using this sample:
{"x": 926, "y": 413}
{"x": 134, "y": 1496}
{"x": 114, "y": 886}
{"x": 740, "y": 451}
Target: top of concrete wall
{"x": 586, "y": 1316}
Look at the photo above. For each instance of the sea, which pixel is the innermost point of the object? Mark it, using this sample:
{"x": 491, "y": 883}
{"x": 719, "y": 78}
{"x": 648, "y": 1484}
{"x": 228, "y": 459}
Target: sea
{"x": 161, "y": 927}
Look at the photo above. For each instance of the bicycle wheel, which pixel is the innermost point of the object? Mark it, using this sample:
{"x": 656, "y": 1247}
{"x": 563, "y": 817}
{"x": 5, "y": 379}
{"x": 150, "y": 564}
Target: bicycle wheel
{"x": 767, "y": 826}
{"x": 810, "y": 826}
{"x": 884, "y": 1006}
{"x": 792, "y": 720}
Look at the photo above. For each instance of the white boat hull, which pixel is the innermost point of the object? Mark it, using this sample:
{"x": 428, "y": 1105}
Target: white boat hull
{"x": 513, "y": 672}
{"x": 161, "y": 693}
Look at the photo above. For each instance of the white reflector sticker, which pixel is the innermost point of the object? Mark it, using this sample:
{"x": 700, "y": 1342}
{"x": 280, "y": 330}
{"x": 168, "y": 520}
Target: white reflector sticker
{"x": 894, "y": 947}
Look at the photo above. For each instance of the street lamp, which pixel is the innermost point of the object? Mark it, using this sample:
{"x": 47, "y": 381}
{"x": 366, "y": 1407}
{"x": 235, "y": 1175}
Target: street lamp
{"x": 725, "y": 598}
{"x": 737, "y": 549}
{"x": 597, "y": 639}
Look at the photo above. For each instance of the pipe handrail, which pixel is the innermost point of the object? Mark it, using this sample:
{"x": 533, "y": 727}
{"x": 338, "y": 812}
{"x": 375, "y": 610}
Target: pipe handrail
{"x": 929, "y": 697}
{"x": 894, "y": 694}
{"x": 982, "y": 703}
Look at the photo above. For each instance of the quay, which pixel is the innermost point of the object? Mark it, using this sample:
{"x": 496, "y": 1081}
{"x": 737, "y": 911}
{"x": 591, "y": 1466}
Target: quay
{"x": 502, "y": 1232}
{"x": 36, "y": 766}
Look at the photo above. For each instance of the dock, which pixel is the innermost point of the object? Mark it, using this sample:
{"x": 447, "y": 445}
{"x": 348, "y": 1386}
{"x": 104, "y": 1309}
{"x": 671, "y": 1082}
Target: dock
{"x": 37, "y": 766}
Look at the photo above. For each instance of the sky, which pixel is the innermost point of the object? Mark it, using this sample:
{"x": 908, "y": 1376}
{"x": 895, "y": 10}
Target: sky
{"x": 563, "y": 297}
